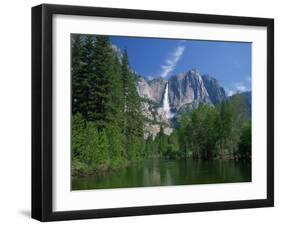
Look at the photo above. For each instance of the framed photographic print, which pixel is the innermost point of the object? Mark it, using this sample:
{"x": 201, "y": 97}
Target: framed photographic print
{"x": 146, "y": 112}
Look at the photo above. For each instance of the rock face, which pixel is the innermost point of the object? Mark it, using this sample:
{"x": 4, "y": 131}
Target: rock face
{"x": 216, "y": 93}
{"x": 186, "y": 91}
{"x": 184, "y": 88}
{"x": 187, "y": 87}
{"x": 153, "y": 89}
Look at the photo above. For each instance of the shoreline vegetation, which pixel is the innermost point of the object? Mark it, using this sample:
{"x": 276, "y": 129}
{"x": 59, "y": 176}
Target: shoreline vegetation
{"x": 107, "y": 120}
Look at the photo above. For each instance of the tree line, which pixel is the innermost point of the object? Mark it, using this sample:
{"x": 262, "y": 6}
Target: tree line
{"x": 107, "y": 123}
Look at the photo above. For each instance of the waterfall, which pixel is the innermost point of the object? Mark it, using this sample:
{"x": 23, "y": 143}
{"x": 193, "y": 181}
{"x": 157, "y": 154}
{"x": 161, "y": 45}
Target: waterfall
{"x": 166, "y": 102}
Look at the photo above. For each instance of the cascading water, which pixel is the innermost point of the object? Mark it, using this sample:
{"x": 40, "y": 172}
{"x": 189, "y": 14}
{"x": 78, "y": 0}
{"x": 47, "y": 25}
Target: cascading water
{"x": 166, "y": 103}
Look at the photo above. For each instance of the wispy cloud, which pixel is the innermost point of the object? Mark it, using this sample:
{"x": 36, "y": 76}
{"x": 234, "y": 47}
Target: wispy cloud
{"x": 237, "y": 88}
{"x": 241, "y": 88}
{"x": 172, "y": 60}
{"x": 230, "y": 92}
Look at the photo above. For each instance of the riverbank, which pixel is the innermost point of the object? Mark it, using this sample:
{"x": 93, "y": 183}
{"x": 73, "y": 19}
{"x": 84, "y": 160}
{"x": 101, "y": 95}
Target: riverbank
{"x": 79, "y": 169}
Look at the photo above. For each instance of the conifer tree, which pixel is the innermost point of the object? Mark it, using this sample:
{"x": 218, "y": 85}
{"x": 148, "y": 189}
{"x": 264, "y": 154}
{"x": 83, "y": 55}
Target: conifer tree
{"x": 86, "y": 75}
{"x": 101, "y": 108}
{"x": 132, "y": 106}
{"x": 117, "y": 97}
{"x": 76, "y": 71}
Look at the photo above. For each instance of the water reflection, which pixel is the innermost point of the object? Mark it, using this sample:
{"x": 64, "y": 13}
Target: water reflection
{"x": 157, "y": 172}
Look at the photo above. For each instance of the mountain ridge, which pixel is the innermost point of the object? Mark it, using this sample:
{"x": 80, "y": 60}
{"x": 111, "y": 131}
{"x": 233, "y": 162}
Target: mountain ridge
{"x": 184, "y": 88}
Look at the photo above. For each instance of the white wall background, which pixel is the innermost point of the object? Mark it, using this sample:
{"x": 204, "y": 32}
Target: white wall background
{"x": 15, "y": 113}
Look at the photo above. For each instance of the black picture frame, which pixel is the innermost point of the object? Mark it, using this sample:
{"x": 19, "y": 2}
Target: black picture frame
{"x": 42, "y": 111}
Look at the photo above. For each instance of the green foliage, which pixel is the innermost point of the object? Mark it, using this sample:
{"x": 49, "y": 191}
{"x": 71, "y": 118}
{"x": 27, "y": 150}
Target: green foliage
{"x": 133, "y": 123}
{"x": 107, "y": 122}
{"x": 79, "y": 79}
{"x": 162, "y": 141}
{"x": 101, "y": 106}
{"x": 245, "y": 143}
{"x": 201, "y": 131}
{"x": 173, "y": 150}
{"x": 87, "y": 153}
{"x": 102, "y": 159}
{"x": 116, "y": 147}
{"x": 182, "y": 134}
{"x": 215, "y": 132}
{"x": 78, "y": 134}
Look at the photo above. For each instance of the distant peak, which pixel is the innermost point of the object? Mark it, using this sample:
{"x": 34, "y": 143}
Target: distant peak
{"x": 161, "y": 79}
{"x": 194, "y": 71}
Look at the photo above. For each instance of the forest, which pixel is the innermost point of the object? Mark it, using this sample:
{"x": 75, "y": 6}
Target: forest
{"x": 108, "y": 124}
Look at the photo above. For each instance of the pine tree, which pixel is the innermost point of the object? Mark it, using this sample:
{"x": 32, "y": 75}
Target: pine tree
{"x": 87, "y": 74}
{"x": 101, "y": 83}
{"x": 117, "y": 96}
{"x": 133, "y": 124}
{"x": 76, "y": 72}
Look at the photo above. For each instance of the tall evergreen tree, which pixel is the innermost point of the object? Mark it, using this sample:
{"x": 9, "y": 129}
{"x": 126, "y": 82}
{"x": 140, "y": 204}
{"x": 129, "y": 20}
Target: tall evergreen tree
{"x": 76, "y": 71}
{"x": 101, "y": 108}
{"x": 117, "y": 96}
{"x": 86, "y": 75}
{"x": 133, "y": 124}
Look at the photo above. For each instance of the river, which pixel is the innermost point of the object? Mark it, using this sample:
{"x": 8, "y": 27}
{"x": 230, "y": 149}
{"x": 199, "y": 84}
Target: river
{"x": 159, "y": 172}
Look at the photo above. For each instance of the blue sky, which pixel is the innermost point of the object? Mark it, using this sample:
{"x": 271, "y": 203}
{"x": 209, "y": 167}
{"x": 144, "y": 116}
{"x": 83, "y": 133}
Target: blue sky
{"x": 228, "y": 62}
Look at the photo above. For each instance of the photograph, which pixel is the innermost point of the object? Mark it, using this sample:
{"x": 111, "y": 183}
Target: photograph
{"x": 159, "y": 112}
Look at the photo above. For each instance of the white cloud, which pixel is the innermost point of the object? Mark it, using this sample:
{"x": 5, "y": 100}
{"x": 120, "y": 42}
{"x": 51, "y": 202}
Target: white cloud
{"x": 172, "y": 61}
{"x": 230, "y": 92}
{"x": 241, "y": 88}
{"x": 237, "y": 88}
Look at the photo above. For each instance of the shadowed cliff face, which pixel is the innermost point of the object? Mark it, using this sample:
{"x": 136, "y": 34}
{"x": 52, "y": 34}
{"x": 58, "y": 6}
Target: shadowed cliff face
{"x": 186, "y": 88}
{"x": 216, "y": 93}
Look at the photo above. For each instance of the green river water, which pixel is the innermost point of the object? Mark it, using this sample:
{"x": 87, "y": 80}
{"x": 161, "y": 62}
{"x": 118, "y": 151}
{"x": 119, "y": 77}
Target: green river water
{"x": 161, "y": 172}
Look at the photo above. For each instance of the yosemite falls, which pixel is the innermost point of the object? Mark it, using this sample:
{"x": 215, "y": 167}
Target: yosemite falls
{"x": 166, "y": 103}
